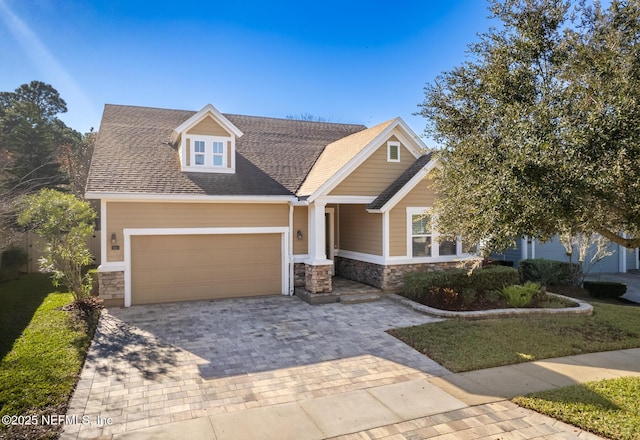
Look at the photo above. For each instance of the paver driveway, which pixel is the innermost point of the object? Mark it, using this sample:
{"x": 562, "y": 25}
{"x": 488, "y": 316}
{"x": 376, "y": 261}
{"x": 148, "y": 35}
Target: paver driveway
{"x": 156, "y": 364}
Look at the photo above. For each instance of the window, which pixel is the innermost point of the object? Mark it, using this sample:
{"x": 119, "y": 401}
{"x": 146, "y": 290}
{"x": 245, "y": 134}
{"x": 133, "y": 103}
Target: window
{"x": 393, "y": 151}
{"x": 198, "y": 148}
{"x": 425, "y": 242}
{"x": 218, "y": 154}
{"x": 209, "y": 152}
{"x": 420, "y": 235}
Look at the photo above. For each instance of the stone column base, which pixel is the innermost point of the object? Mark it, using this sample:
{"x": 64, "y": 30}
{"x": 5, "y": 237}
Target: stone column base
{"x": 317, "y": 279}
{"x": 111, "y": 288}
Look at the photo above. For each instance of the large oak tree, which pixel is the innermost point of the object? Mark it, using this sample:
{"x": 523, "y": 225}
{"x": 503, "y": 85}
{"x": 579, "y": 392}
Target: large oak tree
{"x": 540, "y": 127}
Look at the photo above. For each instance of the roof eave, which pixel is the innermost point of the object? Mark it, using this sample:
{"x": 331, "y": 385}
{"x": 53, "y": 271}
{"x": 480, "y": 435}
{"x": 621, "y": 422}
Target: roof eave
{"x": 393, "y": 201}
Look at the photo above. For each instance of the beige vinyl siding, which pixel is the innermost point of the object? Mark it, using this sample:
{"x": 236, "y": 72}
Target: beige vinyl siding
{"x": 359, "y": 230}
{"x": 167, "y": 268}
{"x": 300, "y": 223}
{"x": 421, "y": 195}
{"x": 121, "y": 215}
{"x": 375, "y": 173}
{"x": 208, "y": 127}
{"x": 188, "y": 148}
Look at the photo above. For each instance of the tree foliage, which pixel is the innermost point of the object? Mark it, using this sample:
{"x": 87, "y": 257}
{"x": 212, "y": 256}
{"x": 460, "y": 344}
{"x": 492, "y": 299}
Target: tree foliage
{"x": 66, "y": 223}
{"x": 37, "y": 150}
{"x": 540, "y": 127}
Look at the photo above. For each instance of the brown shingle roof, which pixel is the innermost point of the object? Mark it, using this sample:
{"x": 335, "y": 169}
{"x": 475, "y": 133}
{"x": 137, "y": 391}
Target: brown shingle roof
{"x": 133, "y": 154}
{"x": 400, "y": 182}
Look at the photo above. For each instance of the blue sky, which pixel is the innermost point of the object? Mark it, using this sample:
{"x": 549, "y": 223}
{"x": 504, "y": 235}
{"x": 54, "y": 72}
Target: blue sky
{"x": 346, "y": 61}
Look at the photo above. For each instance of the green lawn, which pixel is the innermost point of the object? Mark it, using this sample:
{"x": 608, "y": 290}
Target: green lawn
{"x": 609, "y": 407}
{"x": 470, "y": 345}
{"x": 42, "y": 348}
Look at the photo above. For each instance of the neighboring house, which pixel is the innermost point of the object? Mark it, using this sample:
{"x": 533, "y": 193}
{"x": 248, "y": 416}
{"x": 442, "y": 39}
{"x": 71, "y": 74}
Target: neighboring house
{"x": 621, "y": 259}
{"x": 201, "y": 205}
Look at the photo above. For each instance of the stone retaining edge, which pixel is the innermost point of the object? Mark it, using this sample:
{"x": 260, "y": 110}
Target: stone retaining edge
{"x": 582, "y": 309}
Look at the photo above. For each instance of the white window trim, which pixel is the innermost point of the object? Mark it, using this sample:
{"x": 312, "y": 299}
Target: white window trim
{"x": 208, "y": 154}
{"x": 393, "y": 144}
{"x": 435, "y": 247}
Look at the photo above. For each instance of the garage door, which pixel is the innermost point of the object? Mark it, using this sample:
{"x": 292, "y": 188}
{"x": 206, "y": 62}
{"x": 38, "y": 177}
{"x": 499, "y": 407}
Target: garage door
{"x": 167, "y": 268}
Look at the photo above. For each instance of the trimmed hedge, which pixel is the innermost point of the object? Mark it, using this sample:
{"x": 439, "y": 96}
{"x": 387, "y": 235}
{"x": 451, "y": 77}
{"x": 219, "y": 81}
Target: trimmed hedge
{"x": 605, "y": 289}
{"x": 418, "y": 284}
{"x": 548, "y": 272}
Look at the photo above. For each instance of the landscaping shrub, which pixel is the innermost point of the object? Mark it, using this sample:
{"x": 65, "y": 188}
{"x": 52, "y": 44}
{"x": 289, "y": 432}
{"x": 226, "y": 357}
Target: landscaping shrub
{"x": 605, "y": 289}
{"x": 419, "y": 285}
{"x": 493, "y": 278}
{"x": 520, "y": 296}
{"x": 548, "y": 272}
{"x": 11, "y": 261}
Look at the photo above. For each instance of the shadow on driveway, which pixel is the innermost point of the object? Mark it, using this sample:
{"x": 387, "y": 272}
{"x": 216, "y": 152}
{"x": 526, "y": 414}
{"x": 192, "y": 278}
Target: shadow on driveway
{"x": 251, "y": 335}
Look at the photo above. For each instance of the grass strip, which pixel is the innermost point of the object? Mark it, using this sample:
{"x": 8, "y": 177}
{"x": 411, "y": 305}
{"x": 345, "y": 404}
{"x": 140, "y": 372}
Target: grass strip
{"x": 609, "y": 408}
{"x": 45, "y": 351}
{"x": 471, "y": 345}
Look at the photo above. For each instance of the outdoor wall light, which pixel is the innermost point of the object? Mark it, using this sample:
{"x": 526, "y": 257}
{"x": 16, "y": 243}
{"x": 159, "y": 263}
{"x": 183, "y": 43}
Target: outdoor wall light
{"x": 113, "y": 238}
{"x": 299, "y": 234}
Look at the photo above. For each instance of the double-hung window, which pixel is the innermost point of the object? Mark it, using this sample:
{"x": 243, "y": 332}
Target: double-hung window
{"x": 208, "y": 152}
{"x": 218, "y": 154}
{"x": 425, "y": 242}
{"x": 198, "y": 152}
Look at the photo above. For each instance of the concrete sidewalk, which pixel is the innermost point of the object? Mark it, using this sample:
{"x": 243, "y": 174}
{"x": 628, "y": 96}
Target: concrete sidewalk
{"x": 464, "y": 405}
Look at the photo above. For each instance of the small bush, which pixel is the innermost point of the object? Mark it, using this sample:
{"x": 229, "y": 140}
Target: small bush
{"x": 548, "y": 272}
{"x": 605, "y": 289}
{"x": 493, "y": 278}
{"x": 520, "y": 296}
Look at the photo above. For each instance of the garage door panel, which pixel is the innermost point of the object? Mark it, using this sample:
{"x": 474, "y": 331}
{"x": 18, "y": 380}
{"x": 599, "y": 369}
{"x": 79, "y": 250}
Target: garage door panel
{"x": 189, "y": 267}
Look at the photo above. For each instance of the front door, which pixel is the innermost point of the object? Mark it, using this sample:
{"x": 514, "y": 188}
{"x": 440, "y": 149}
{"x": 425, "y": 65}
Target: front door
{"x": 329, "y": 239}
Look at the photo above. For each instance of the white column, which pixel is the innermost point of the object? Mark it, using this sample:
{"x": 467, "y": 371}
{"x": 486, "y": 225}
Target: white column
{"x": 622, "y": 259}
{"x": 524, "y": 250}
{"x": 317, "y": 233}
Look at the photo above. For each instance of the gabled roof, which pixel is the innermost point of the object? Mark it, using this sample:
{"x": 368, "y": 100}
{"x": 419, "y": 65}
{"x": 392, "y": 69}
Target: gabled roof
{"x": 134, "y": 154}
{"x": 337, "y": 154}
{"x": 207, "y": 110}
{"x": 341, "y": 157}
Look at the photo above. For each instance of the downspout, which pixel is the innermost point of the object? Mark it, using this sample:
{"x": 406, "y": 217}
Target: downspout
{"x": 290, "y": 246}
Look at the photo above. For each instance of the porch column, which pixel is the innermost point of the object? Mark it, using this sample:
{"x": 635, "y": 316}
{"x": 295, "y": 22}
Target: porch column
{"x": 317, "y": 232}
{"x": 318, "y": 268}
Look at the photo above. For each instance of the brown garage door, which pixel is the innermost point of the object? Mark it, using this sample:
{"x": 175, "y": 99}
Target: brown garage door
{"x": 167, "y": 268}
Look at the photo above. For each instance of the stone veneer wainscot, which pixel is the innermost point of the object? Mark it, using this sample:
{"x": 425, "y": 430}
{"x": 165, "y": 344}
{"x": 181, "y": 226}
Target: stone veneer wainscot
{"x": 386, "y": 277}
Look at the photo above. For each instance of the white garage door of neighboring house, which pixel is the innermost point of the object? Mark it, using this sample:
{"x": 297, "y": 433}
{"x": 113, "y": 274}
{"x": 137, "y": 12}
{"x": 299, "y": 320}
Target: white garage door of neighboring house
{"x": 168, "y": 268}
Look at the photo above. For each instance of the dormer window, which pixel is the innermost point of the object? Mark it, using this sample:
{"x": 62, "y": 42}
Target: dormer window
{"x": 218, "y": 154}
{"x": 207, "y": 142}
{"x": 198, "y": 156}
{"x": 208, "y": 152}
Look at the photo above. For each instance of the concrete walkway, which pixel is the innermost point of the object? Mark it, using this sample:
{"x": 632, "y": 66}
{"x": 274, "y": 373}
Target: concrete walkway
{"x": 318, "y": 372}
{"x": 455, "y": 406}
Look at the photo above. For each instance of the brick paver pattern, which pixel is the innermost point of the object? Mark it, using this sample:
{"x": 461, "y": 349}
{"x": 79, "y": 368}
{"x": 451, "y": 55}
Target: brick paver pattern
{"x": 156, "y": 364}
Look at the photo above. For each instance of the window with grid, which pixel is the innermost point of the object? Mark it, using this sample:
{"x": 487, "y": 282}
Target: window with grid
{"x": 218, "y": 154}
{"x": 199, "y": 152}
